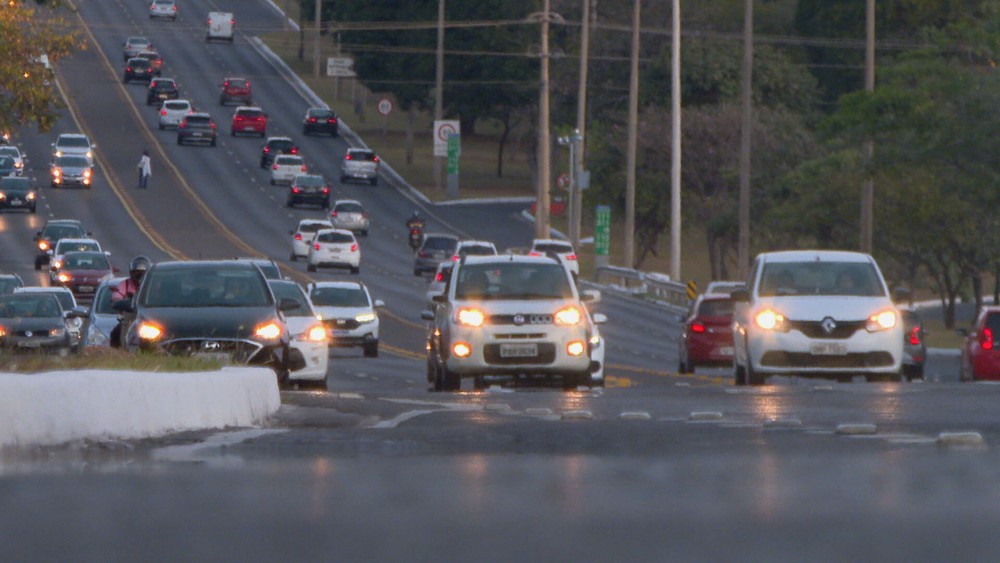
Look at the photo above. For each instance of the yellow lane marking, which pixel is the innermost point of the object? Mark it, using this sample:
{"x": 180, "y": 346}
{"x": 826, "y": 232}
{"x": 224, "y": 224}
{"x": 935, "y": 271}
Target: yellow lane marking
{"x": 403, "y": 352}
{"x": 660, "y": 373}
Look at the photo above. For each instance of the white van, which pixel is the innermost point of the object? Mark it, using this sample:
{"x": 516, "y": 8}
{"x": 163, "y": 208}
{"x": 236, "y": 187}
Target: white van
{"x": 220, "y": 26}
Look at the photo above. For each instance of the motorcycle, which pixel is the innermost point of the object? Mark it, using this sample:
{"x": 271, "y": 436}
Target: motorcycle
{"x": 416, "y": 237}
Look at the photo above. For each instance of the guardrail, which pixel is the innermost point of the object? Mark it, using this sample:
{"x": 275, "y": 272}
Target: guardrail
{"x": 649, "y": 285}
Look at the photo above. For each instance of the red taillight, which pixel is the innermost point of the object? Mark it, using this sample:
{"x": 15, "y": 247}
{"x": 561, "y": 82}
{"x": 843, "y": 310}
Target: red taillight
{"x": 175, "y": 8}
{"x": 275, "y": 167}
{"x": 533, "y": 253}
{"x": 439, "y": 277}
{"x": 232, "y": 22}
{"x": 986, "y": 339}
{"x": 296, "y": 190}
{"x": 295, "y": 150}
{"x": 915, "y": 336}
{"x": 298, "y": 236}
{"x": 697, "y": 327}
{"x": 333, "y": 214}
{"x": 312, "y": 120}
{"x": 212, "y": 125}
{"x": 326, "y": 190}
{"x": 331, "y": 120}
{"x": 454, "y": 257}
{"x": 354, "y": 247}
{"x": 375, "y": 159}
{"x": 303, "y": 167}
{"x": 267, "y": 149}
{"x": 316, "y": 246}
{"x": 347, "y": 157}
{"x": 128, "y": 69}
{"x": 571, "y": 256}
{"x": 163, "y": 112}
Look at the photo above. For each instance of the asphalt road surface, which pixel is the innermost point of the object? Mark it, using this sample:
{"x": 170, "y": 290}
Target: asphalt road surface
{"x": 657, "y": 466}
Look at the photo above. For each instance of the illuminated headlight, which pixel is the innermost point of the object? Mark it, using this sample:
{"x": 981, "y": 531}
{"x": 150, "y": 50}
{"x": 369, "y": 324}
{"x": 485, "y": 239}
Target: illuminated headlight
{"x": 595, "y": 341}
{"x": 90, "y": 154}
{"x": 43, "y": 245}
{"x": 270, "y": 330}
{"x": 3, "y": 331}
{"x": 883, "y": 320}
{"x": 365, "y": 317}
{"x": 18, "y": 164}
{"x": 56, "y": 264}
{"x": 149, "y": 331}
{"x": 74, "y": 322}
{"x": 59, "y": 153}
{"x": 568, "y": 316}
{"x": 31, "y": 196}
{"x": 576, "y": 348}
{"x": 315, "y": 333}
{"x": 64, "y": 277}
{"x": 461, "y": 349}
{"x": 87, "y": 172}
{"x": 771, "y": 320}
{"x": 57, "y": 332}
{"x": 471, "y": 317}
{"x": 3, "y": 196}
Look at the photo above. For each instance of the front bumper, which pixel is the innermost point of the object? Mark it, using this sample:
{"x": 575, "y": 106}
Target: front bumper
{"x": 493, "y": 350}
{"x": 316, "y": 356}
{"x": 794, "y": 353}
{"x": 343, "y": 333}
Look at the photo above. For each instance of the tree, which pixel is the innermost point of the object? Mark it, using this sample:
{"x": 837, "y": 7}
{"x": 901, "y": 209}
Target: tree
{"x": 27, "y": 89}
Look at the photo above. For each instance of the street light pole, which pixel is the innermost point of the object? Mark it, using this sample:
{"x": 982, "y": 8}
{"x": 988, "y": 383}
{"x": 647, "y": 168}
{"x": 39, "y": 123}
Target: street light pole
{"x": 544, "y": 140}
{"x": 868, "y": 185}
{"x": 576, "y": 195}
{"x": 633, "y": 133}
{"x": 317, "y": 16}
{"x": 745, "y": 140}
{"x": 675, "y": 145}
{"x": 439, "y": 88}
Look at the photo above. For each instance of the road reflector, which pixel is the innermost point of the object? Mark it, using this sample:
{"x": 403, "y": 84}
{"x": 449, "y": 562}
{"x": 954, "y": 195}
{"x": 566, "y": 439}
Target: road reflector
{"x": 635, "y": 415}
{"x": 856, "y": 429}
{"x": 701, "y": 416}
{"x": 960, "y": 439}
{"x": 692, "y": 290}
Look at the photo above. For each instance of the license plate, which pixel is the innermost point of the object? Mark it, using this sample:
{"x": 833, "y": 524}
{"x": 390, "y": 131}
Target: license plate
{"x": 518, "y": 350}
{"x": 726, "y": 351}
{"x": 828, "y": 349}
{"x": 196, "y": 134}
{"x": 220, "y": 357}
{"x": 85, "y": 288}
{"x": 16, "y": 201}
{"x": 249, "y": 128}
{"x": 164, "y": 96}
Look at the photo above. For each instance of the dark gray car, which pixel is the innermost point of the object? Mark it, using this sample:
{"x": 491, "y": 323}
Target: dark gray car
{"x": 34, "y": 322}
{"x": 436, "y": 248}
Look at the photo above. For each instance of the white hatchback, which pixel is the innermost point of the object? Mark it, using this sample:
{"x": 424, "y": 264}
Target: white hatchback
{"x": 307, "y": 333}
{"x": 73, "y": 144}
{"x": 286, "y": 167}
{"x": 335, "y": 248}
{"x": 816, "y": 313}
{"x": 303, "y": 235}
{"x": 172, "y": 112}
{"x": 563, "y": 249}
{"x": 349, "y": 313}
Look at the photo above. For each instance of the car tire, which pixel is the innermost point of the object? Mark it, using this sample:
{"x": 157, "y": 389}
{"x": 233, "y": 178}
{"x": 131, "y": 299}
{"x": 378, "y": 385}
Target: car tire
{"x": 294, "y": 257}
{"x": 232, "y": 133}
{"x": 374, "y": 181}
{"x": 222, "y": 101}
{"x": 161, "y": 126}
{"x": 754, "y": 378}
{"x": 371, "y": 350}
{"x": 739, "y": 375}
{"x": 289, "y": 204}
{"x": 311, "y": 268}
{"x": 213, "y": 143}
{"x": 449, "y": 381}
{"x": 356, "y": 271}
{"x": 38, "y": 263}
{"x": 326, "y": 205}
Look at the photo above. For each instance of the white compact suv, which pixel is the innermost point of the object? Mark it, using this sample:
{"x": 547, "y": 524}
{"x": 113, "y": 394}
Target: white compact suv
{"x": 304, "y": 234}
{"x": 518, "y": 316}
{"x": 349, "y": 314}
{"x": 335, "y": 248}
{"x": 816, "y": 313}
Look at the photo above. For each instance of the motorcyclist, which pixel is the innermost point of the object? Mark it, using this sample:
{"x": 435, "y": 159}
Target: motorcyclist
{"x": 122, "y": 294}
{"x": 415, "y": 221}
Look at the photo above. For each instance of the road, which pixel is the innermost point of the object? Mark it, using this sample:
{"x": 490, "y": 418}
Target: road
{"x": 657, "y": 466}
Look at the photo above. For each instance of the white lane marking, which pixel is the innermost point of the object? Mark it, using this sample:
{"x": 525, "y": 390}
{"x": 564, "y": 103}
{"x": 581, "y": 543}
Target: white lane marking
{"x": 960, "y": 439}
{"x": 635, "y": 415}
{"x": 196, "y": 452}
{"x": 578, "y": 415}
{"x": 701, "y": 416}
{"x": 398, "y": 419}
{"x": 855, "y": 429}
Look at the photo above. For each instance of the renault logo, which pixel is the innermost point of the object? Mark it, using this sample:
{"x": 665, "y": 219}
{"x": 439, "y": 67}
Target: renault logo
{"x": 829, "y": 325}
{"x": 519, "y": 319}
{"x": 28, "y": 333}
{"x": 211, "y": 345}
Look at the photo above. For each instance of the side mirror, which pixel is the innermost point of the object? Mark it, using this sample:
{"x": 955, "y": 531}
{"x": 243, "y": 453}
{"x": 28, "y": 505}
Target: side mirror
{"x": 599, "y": 318}
{"x": 78, "y": 312}
{"x": 379, "y": 303}
{"x": 590, "y": 296}
{"x": 427, "y": 315}
{"x": 285, "y": 304}
{"x": 740, "y": 295}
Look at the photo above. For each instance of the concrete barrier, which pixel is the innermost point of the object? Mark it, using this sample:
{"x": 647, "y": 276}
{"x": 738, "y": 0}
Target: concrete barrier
{"x": 57, "y": 407}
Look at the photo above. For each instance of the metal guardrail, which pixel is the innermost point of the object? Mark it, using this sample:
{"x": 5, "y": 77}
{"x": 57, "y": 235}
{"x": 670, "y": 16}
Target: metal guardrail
{"x": 657, "y": 287}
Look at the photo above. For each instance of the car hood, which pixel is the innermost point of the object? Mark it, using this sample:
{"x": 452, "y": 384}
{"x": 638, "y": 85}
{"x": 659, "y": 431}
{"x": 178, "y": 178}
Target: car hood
{"x": 208, "y": 322}
{"x": 88, "y": 275}
{"x": 25, "y": 323}
{"x": 518, "y": 306}
{"x": 819, "y": 307}
{"x": 297, "y": 325}
{"x": 341, "y": 312}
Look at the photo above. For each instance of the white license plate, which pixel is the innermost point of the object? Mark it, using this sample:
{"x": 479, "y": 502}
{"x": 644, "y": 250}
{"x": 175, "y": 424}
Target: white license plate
{"x": 828, "y": 349}
{"x": 196, "y": 134}
{"x": 518, "y": 350}
{"x": 85, "y": 289}
{"x": 164, "y": 96}
{"x": 726, "y": 351}
{"x": 16, "y": 202}
{"x": 248, "y": 128}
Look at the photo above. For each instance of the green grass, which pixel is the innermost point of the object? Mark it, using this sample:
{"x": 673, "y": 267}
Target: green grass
{"x": 105, "y": 358}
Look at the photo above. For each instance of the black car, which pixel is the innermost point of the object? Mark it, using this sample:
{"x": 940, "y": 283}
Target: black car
{"x": 17, "y": 193}
{"x": 54, "y": 231}
{"x": 309, "y": 188}
{"x": 35, "y": 322}
{"x": 196, "y": 128}
{"x": 218, "y": 309}
{"x": 266, "y": 266}
{"x": 275, "y": 146}
{"x": 138, "y": 69}
{"x": 320, "y": 120}
{"x": 10, "y": 282}
{"x": 8, "y": 166}
{"x": 161, "y": 89}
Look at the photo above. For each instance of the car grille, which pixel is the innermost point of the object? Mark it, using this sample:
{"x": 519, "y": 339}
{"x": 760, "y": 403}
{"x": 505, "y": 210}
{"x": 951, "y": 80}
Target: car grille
{"x": 807, "y": 360}
{"x": 518, "y": 320}
{"x": 520, "y": 336}
{"x": 241, "y": 351}
{"x": 341, "y": 324}
{"x": 546, "y": 355}
{"x": 814, "y": 329}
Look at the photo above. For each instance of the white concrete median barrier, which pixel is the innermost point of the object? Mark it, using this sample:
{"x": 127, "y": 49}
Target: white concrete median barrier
{"x": 960, "y": 439}
{"x": 58, "y": 407}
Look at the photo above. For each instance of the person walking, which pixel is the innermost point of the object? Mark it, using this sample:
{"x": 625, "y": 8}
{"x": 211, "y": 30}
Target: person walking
{"x": 144, "y": 170}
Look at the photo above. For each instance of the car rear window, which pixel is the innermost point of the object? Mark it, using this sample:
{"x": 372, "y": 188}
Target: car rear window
{"x": 199, "y": 121}
{"x": 138, "y": 62}
{"x": 164, "y": 84}
{"x": 313, "y": 227}
{"x": 440, "y": 243}
{"x": 309, "y": 181}
{"x": 477, "y": 250}
{"x": 321, "y": 113}
{"x": 993, "y": 324}
{"x": 250, "y": 113}
{"x": 553, "y": 247}
{"x": 339, "y": 297}
{"x": 280, "y": 145}
{"x": 236, "y": 83}
{"x": 362, "y": 155}
{"x": 177, "y": 106}
{"x": 349, "y": 208}
{"x": 716, "y": 308}
{"x": 335, "y": 237}
{"x": 289, "y": 160}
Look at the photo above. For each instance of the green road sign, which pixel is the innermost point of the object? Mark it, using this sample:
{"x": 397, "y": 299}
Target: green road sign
{"x": 454, "y": 150}
{"x": 602, "y": 231}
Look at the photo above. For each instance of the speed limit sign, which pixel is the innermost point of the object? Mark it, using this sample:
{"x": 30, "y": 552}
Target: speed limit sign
{"x": 385, "y": 106}
{"x": 563, "y": 181}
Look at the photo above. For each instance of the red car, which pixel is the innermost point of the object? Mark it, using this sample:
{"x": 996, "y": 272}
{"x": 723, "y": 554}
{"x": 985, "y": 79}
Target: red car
{"x": 249, "y": 119}
{"x": 981, "y": 350}
{"x": 83, "y": 271}
{"x": 707, "y": 336}
{"x": 235, "y": 89}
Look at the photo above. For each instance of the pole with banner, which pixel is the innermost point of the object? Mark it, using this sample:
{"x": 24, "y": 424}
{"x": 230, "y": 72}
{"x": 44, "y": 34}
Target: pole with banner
{"x": 454, "y": 151}
{"x": 443, "y": 130}
{"x": 602, "y": 236}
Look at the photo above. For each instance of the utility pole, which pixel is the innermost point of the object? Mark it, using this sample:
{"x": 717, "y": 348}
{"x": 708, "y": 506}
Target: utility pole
{"x": 633, "y": 133}
{"x": 576, "y": 196}
{"x": 675, "y": 145}
{"x": 745, "y": 140}
{"x": 868, "y": 185}
{"x": 439, "y": 89}
{"x": 317, "y": 17}
{"x": 544, "y": 142}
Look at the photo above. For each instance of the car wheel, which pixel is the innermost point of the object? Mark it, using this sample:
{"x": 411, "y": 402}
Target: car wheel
{"x": 356, "y": 271}
{"x": 739, "y": 375}
{"x": 754, "y": 378}
{"x": 371, "y": 350}
{"x": 38, "y": 263}
{"x": 374, "y": 181}
{"x": 161, "y": 127}
{"x": 32, "y": 209}
{"x": 180, "y": 141}
{"x": 222, "y": 101}
{"x": 305, "y": 131}
{"x": 311, "y": 268}
{"x": 293, "y": 257}
{"x": 449, "y": 381}
{"x": 263, "y": 164}
{"x": 232, "y": 133}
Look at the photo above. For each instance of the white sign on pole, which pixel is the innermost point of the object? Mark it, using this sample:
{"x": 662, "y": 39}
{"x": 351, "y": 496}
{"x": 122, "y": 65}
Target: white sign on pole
{"x": 444, "y": 128}
{"x": 339, "y": 66}
{"x": 384, "y": 106}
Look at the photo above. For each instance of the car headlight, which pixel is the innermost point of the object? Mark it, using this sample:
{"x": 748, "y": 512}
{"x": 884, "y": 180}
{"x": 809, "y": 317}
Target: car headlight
{"x": 271, "y": 330}
{"x": 59, "y": 153}
{"x": 471, "y": 317}
{"x": 96, "y": 337}
{"x": 56, "y": 264}
{"x": 595, "y": 341}
{"x": 64, "y": 277}
{"x": 31, "y": 196}
{"x": 3, "y": 196}
{"x": 568, "y": 316}
{"x": 315, "y": 333}
{"x": 56, "y": 172}
{"x": 74, "y": 322}
{"x": 90, "y": 154}
{"x": 57, "y": 332}
{"x": 3, "y": 331}
{"x": 86, "y": 173}
{"x": 149, "y": 331}
{"x": 769, "y": 319}
{"x": 883, "y": 320}
{"x": 365, "y": 317}
{"x": 43, "y": 245}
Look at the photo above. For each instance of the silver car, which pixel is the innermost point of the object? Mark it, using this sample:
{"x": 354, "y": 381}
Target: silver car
{"x": 73, "y": 144}
{"x": 102, "y": 318}
{"x": 15, "y": 153}
{"x": 350, "y": 215}
{"x": 360, "y": 164}
{"x": 163, "y": 9}
{"x": 436, "y": 248}
{"x": 135, "y": 45}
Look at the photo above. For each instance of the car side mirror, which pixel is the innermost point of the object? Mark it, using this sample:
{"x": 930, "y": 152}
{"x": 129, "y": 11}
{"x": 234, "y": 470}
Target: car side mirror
{"x": 590, "y": 296}
{"x": 599, "y": 318}
{"x": 379, "y": 303}
{"x": 427, "y": 315}
{"x": 439, "y": 298}
{"x": 77, "y": 312}
{"x": 123, "y": 306}
{"x": 285, "y": 304}
{"x": 740, "y": 295}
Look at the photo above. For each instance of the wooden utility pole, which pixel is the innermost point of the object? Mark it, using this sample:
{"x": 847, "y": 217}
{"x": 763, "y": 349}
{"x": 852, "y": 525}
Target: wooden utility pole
{"x": 868, "y": 185}
{"x": 317, "y": 21}
{"x": 576, "y": 195}
{"x": 675, "y": 144}
{"x": 746, "y": 131}
{"x": 439, "y": 90}
{"x": 633, "y": 133}
{"x": 544, "y": 140}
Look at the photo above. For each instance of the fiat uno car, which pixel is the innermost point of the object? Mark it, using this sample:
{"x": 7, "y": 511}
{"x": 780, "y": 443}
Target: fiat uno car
{"x": 814, "y": 313}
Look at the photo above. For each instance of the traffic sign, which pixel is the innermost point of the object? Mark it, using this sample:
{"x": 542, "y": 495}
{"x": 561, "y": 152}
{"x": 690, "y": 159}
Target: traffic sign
{"x": 692, "y": 289}
{"x": 602, "y": 231}
{"x": 339, "y": 66}
{"x": 385, "y": 106}
{"x": 443, "y": 128}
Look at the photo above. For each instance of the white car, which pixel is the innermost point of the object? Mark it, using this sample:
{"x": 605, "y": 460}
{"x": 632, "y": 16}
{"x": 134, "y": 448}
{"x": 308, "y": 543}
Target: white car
{"x": 163, "y": 9}
{"x": 474, "y": 248}
{"x": 286, "y": 167}
{"x": 349, "y": 313}
{"x": 68, "y": 303}
{"x": 307, "y": 332}
{"x": 335, "y": 248}
{"x": 172, "y": 112}
{"x": 73, "y": 144}
{"x": 15, "y": 153}
{"x": 350, "y": 215}
{"x": 360, "y": 164}
{"x": 563, "y": 249}
{"x": 303, "y": 235}
{"x": 514, "y": 316}
{"x": 816, "y": 313}
{"x": 220, "y": 26}
{"x": 438, "y": 282}
{"x": 69, "y": 245}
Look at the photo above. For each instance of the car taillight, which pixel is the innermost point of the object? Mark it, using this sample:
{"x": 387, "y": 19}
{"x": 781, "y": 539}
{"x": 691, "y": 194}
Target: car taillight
{"x": 163, "y": 112}
{"x": 295, "y": 150}
{"x": 303, "y": 167}
{"x": 374, "y": 159}
{"x": 312, "y": 120}
{"x": 454, "y": 257}
{"x": 326, "y": 190}
{"x": 128, "y": 69}
{"x": 439, "y": 277}
{"x": 986, "y": 339}
{"x": 212, "y": 125}
{"x": 331, "y": 120}
{"x": 697, "y": 327}
{"x": 298, "y": 236}
{"x": 296, "y": 190}
{"x": 275, "y": 167}
{"x": 571, "y": 256}
{"x": 347, "y": 157}
{"x": 316, "y": 246}
{"x": 533, "y": 253}
{"x": 174, "y": 8}
{"x": 354, "y": 247}
{"x": 915, "y": 336}
{"x": 267, "y": 149}
{"x": 333, "y": 214}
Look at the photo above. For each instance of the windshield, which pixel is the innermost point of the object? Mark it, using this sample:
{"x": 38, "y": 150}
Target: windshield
{"x": 292, "y": 291}
{"x": 511, "y": 280}
{"x": 9, "y": 183}
{"x": 309, "y": 181}
{"x": 313, "y": 227}
{"x": 820, "y": 278}
{"x": 440, "y": 243}
{"x": 10, "y": 151}
{"x": 72, "y": 162}
{"x": 30, "y": 305}
{"x": 76, "y": 142}
{"x": 61, "y": 232}
{"x": 85, "y": 261}
{"x": 335, "y": 237}
{"x": 204, "y": 287}
{"x": 7, "y": 285}
{"x": 340, "y": 297}
{"x": 177, "y": 106}
{"x": 6, "y": 161}
{"x": 77, "y": 246}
